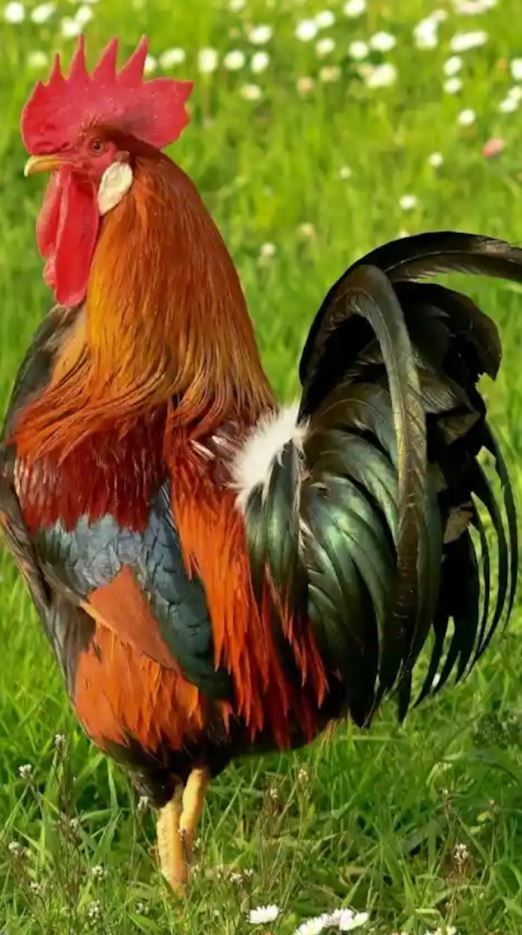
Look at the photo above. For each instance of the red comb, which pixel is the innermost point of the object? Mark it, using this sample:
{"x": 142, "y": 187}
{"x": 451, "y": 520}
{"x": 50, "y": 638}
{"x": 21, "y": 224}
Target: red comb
{"x": 56, "y": 112}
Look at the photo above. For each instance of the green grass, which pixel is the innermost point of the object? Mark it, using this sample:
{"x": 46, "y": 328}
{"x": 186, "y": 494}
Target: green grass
{"x": 376, "y": 822}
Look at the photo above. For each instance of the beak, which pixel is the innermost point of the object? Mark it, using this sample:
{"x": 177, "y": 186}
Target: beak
{"x": 48, "y": 163}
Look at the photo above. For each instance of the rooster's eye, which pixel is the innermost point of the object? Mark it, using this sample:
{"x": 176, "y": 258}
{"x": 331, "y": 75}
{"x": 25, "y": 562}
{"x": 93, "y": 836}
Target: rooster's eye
{"x": 97, "y": 146}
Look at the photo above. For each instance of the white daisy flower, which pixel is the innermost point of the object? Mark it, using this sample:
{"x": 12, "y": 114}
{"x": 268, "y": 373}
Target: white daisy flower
{"x": 42, "y": 12}
{"x": 383, "y": 42}
{"x": 358, "y": 50}
{"x": 37, "y": 59}
{"x": 466, "y": 117}
{"x": 70, "y": 28}
{"x": 325, "y": 19}
{"x": 83, "y": 15}
{"x": 251, "y": 92}
{"x": 14, "y": 13}
{"x": 314, "y": 926}
{"x": 453, "y": 85}
{"x": 347, "y": 920}
{"x": 151, "y": 64}
{"x": 325, "y": 46}
{"x": 306, "y": 30}
{"x": 408, "y": 202}
{"x": 234, "y": 60}
{"x": 353, "y": 8}
{"x": 425, "y": 34}
{"x": 382, "y": 76}
{"x": 509, "y": 105}
{"x": 516, "y": 69}
{"x": 515, "y": 93}
{"x": 264, "y": 914}
{"x": 329, "y": 74}
{"x": 207, "y": 61}
{"x": 305, "y": 85}
{"x": 452, "y": 66}
{"x": 464, "y": 41}
{"x": 259, "y": 62}
{"x": 260, "y": 35}
{"x": 172, "y": 57}
{"x": 435, "y": 160}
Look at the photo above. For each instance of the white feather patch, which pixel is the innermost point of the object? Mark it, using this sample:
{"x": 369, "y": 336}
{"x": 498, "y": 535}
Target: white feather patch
{"x": 115, "y": 183}
{"x": 253, "y": 461}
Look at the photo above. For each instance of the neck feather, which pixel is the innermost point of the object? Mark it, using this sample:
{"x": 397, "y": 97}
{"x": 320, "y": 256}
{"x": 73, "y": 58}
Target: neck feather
{"x": 165, "y": 324}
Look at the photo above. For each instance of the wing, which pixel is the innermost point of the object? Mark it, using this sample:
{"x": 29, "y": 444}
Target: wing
{"x": 132, "y": 583}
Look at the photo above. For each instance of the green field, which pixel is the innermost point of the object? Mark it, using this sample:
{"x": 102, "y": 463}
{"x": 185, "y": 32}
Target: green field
{"x": 367, "y": 820}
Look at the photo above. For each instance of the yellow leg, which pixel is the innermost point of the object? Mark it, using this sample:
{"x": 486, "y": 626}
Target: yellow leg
{"x": 176, "y": 829}
{"x": 193, "y": 801}
{"x": 170, "y": 845}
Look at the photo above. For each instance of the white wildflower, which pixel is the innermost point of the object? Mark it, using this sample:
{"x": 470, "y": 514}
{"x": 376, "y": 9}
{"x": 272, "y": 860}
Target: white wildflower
{"x": 325, "y": 19}
{"x": 98, "y": 872}
{"x": 453, "y": 85}
{"x": 267, "y": 250}
{"x": 172, "y": 57}
{"x": 35, "y": 887}
{"x": 14, "y": 13}
{"x": 42, "y": 12}
{"x": 234, "y": 60}
{"x": 329, "y": 74}
{"x": 260, "y": 35}
{"x": 383, "y": 42}
{"x": 25, "y": 771}
{"x": 382, "y": 76}
{"x": 314, "y": 926}
{"x": 345, "y": 173}
{"x": 83, "y": 15}
{"x": 325, "y": 46}
{"x": 515, "y": 93}
{"x": 461, "y": 854}
{"x": 59, "y": 741}
{"x": 305, "y": 85}
{"x": 464, "y": 41}
{"x": 516, "y": 69}
{"x": 435, "y": 160}
{"x": 259, "y": 62}
{"x": 347, "y": 920}
{"x": 303, "y": 776}
{"x": 70, "y": 28}
{"x": 509, "y": 105}
{"x": 263, "y": 914}
{"x": 358, "y": 50}
{"x": 306, "y": 30}
{"x": 425, "y": 34}
{"x": 439, "y": 15}
{"x": 452, "y": 66}
{"x": 353, "y": 8}
{"x": 473, "y": 7}
{"x": 236, "y": 5}
{"x": 143, "y": 803}
{"x": 207, "y": 61}
{"x": 408, "y": 202}
{"x": 465, "y": 119}
{"x": 37, "y": 59}
{"x": 16, "y": 849}
{"x": 251, "y": 92}
{"x": 151, "y": 65}
{"x": 94, "y": 911}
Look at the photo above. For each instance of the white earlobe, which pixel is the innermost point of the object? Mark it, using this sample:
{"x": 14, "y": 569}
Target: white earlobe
{"x": 115, "y": 183}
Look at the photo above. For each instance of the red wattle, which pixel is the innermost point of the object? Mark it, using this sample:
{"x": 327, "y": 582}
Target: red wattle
{"x": 66, "y": 231}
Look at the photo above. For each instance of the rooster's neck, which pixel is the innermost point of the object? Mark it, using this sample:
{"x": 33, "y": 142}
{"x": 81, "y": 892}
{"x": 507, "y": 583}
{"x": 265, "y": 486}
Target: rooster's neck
{"x": 166, "y": 318}
{"x": 165, "y": 327}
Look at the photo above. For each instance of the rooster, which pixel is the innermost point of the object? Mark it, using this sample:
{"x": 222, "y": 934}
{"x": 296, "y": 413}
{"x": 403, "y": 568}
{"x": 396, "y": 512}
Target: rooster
{"x": 217, "y": 575}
